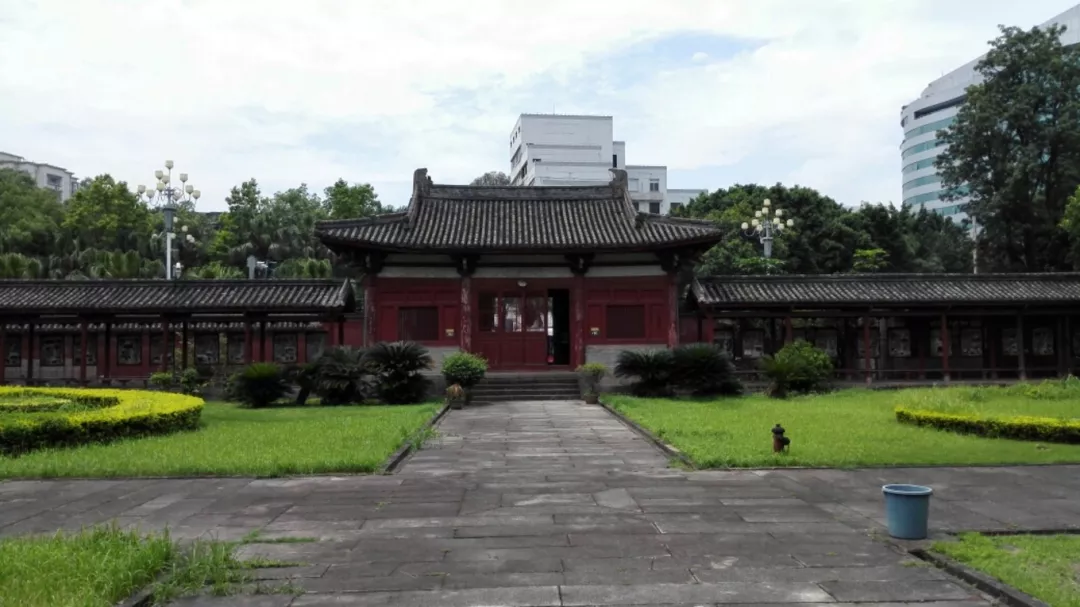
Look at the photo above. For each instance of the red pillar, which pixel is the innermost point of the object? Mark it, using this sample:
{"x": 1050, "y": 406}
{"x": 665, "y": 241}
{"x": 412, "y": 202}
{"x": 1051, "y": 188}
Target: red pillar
{"x": 578, "y": 328}
{"x": 466, "y": 313}
{"x": 183, "y": 345}
{"x": 3, "y": 352}
{"x": 31, "y": 354}
{"x": 1020, "y": 343}
{"x": 789, "y": 331}
{"x": 369, "y": 311}
{"x": 262, "y": 339}
{"x": 945, "y": 347}
{"x": 83, "y": 338}
{"x": 673, "y": 310}
{"x": 164, "y": 344}
{"x": 106, "y": 358}
{"x": 867, "y": 354}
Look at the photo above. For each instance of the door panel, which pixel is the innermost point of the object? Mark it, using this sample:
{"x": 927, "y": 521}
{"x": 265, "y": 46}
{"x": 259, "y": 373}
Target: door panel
{"x": 511, "y": 328}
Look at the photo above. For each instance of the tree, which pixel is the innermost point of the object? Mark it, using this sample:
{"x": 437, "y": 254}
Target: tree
{"x": 30, "y": 216}
{"x": 869, "y": 260}
{"x": 491, "y": 178}
{"x": 106, "y": 215}
{"x": 1014, "y": 148}
{"x": 344, "y": 201}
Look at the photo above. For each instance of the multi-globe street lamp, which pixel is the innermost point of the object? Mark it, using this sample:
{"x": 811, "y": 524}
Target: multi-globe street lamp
{"x": 168, "y": 196}
{"x": 763, "y": 226}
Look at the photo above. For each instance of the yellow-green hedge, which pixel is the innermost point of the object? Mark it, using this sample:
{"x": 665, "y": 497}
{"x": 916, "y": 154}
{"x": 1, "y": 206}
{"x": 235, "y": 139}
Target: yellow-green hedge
{"x": 1048, "y": 429}
{"x": 96, "y": 416}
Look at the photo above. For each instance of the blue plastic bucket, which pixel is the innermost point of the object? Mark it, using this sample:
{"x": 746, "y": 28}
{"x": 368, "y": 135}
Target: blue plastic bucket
{"x": 907, "y": 510}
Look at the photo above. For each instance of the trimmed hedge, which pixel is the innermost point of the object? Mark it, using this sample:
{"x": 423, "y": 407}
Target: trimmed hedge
{"x": 101, "y": 416}
{"x": 1047, "y": 429}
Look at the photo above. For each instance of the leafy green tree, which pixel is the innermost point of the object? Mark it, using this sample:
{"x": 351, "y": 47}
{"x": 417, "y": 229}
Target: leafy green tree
{"x": 1015, "y": 149}
{"x": 344, "y": 201}
{"x": 491, "y": 178}
{"x": 30, "y": 216}
{"x": 107, "y": 215}
{"x": 17, "y": 265}
{"x": 870, "y": 260}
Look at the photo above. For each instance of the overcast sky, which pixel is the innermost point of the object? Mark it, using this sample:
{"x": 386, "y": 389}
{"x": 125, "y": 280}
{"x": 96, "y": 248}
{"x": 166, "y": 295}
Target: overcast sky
{"x": 802, "y": 92}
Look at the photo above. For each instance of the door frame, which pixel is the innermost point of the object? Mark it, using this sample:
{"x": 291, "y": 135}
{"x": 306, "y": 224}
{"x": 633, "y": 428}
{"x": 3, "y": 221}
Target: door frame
{"x": 504, "y": 286}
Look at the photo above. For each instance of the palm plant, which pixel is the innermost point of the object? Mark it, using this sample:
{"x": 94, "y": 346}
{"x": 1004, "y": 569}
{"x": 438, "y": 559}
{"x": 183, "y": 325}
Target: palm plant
{"x": 399, "y": 366}
{"x": 340, "y": 376}
{"x": 652, "y": 369}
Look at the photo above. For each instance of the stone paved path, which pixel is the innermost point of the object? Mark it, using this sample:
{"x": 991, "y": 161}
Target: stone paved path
{"x": 545, "y": 504}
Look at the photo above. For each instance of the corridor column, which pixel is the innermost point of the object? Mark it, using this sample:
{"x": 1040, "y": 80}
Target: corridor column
{"x": 579, "y": 266}
{"x": 84, "y": 336}
{"x": 1020, "y": 346}
{"x": 945, "y": 343}
{"x": 466, "y": 267}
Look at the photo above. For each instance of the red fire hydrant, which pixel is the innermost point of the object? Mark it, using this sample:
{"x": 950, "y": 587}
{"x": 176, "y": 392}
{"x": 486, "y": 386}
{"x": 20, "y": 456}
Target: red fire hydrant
{"x": 780, "y": 443}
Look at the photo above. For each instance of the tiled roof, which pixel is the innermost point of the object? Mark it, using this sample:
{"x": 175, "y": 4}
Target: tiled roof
{"x": 888, "y": 289}
{"x": 190, "y": 296}
{"x": 510, "y": 219}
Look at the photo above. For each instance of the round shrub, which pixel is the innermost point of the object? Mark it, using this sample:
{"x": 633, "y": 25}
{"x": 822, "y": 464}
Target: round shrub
{"x": 798, "y": 368}
{"x": 101, "y": 416}
{"x": 464, "y": 369}
{"x": 592, "y": 373}
{"x": 161, "y": 380}
{"x": 258, "y": 385}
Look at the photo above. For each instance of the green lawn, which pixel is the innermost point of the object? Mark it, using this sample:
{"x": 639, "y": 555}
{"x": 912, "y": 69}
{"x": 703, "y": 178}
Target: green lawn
{"x": 842, "y": 429}
{"x": 240, "y": 442}
{"x": 1045, "y": 566}
{"x": 95, "y": 567}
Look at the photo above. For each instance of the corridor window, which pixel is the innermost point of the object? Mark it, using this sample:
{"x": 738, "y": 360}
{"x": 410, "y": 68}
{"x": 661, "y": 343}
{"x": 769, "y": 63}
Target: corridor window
{"x": 418, "y": 323}
{"x": 625, "y": 322}
{"x": 489, "y": 312}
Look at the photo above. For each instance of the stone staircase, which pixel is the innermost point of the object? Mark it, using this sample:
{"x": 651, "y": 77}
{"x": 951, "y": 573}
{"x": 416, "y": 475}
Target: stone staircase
{"x": 520, "y": 387}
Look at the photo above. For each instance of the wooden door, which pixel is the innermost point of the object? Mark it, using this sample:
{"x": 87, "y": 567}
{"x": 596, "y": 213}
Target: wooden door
{"x": 511, "y": 328}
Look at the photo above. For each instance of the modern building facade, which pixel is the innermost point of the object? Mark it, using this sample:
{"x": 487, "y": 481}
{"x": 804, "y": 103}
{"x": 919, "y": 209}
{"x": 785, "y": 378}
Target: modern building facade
{"x": 559, "y": 150}
{"x": 45, "y": 175}
{"x": 935, "y": 110}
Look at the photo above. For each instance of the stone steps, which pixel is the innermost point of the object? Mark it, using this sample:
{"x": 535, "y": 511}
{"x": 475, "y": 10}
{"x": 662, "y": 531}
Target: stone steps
{"x": 506, "y": 387}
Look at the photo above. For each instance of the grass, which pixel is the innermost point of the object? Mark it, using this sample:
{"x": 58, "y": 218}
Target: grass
{"x": 842, "y": 429}
{"x": 98, "y": 566}
{"x": 242, "y": 442}
{"x": 1046, "y": 567}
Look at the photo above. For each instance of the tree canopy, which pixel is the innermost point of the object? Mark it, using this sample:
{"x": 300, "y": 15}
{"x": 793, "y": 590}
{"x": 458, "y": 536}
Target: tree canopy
{"x": 827, "y": 237}
{"x": 1014, "y": 148}
{"x": 491, "y": 178}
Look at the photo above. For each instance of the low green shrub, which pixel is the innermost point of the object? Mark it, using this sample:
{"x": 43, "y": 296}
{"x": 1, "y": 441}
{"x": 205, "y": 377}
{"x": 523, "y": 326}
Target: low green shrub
{"x": 705, "y": 370}
{"x": 652, "y": 369}
{"x": 1019, "y": 427}
{"x": 258, "y": 385}
{"x": 161, "y": 381}
{"x": 191, "y": 381}
{"x": 798, "y": 368}
{"x": 399, "y": 368}
{"x": 101, "y": 416}
{"x": 29, "y": 403}
{"x": 464, "y": 369}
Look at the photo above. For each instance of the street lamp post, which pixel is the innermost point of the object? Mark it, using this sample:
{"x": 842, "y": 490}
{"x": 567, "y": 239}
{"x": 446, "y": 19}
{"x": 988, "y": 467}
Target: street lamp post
{"x": 763, "y": 227}
{"x": 168, "y": 195}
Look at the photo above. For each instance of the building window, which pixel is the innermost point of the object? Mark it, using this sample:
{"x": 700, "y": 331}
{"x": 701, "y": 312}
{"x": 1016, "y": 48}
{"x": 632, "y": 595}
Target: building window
{"x": 922, "y": 147}
{"x": 625, "y": 322}
{"x": 614, "y": 161}
{"x": 315, "y": 345}
{"x": 207, "y": 349}
{"x": 91, "y": 349}
{"x": 932, "y": 127}
{"x": 129, "y": 350}
{"x": 285, "y": 347}
{"x": 236, "y": 348}
{"x": 921, "y": 181}
{"x": 654, "y": 208}
{"x": 13, "y": 347}
{"x": 52, "y": 352}
{"x": 54, "y": 181}
{"x": 418, "y": 324}
{"x": 654, "y": 185}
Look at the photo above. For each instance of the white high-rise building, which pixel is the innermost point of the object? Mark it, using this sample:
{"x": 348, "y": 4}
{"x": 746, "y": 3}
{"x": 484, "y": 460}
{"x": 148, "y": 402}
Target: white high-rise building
{"x": 553, "y": 149}
{"x": 934, "y": 110}
{"x": 45, "y": 175}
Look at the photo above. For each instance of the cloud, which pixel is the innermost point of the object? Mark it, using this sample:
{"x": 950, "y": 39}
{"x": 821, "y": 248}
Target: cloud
{"x": 780, "y": 90}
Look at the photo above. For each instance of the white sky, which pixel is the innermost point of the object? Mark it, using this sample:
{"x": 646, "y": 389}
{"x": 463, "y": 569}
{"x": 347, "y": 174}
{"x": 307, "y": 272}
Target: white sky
{"x": 809, "y": 91}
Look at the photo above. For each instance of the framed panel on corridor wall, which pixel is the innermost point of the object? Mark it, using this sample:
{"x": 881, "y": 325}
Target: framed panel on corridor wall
{"x": 630, "y": 311}
{"x": 427, "y": 311}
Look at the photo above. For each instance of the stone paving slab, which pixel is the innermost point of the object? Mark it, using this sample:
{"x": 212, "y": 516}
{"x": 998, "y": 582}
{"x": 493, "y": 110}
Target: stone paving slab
{"x": 549, "y": 503}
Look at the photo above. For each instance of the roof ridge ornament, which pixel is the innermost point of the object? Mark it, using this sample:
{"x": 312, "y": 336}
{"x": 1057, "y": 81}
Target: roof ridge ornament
{"x": 421, "y": 188}
{"x": 620, "y": 189}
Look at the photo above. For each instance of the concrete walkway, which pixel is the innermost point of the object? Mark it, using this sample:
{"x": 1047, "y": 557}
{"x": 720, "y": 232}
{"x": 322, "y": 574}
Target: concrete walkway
{"x": 544, "y": 503}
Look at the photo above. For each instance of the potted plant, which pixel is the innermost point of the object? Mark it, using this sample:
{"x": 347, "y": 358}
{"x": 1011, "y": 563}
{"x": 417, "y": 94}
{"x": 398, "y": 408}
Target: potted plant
{"x": 591, "y": 374}
{"x": 455, "y": 396}
{"x": 465, "y": 370}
